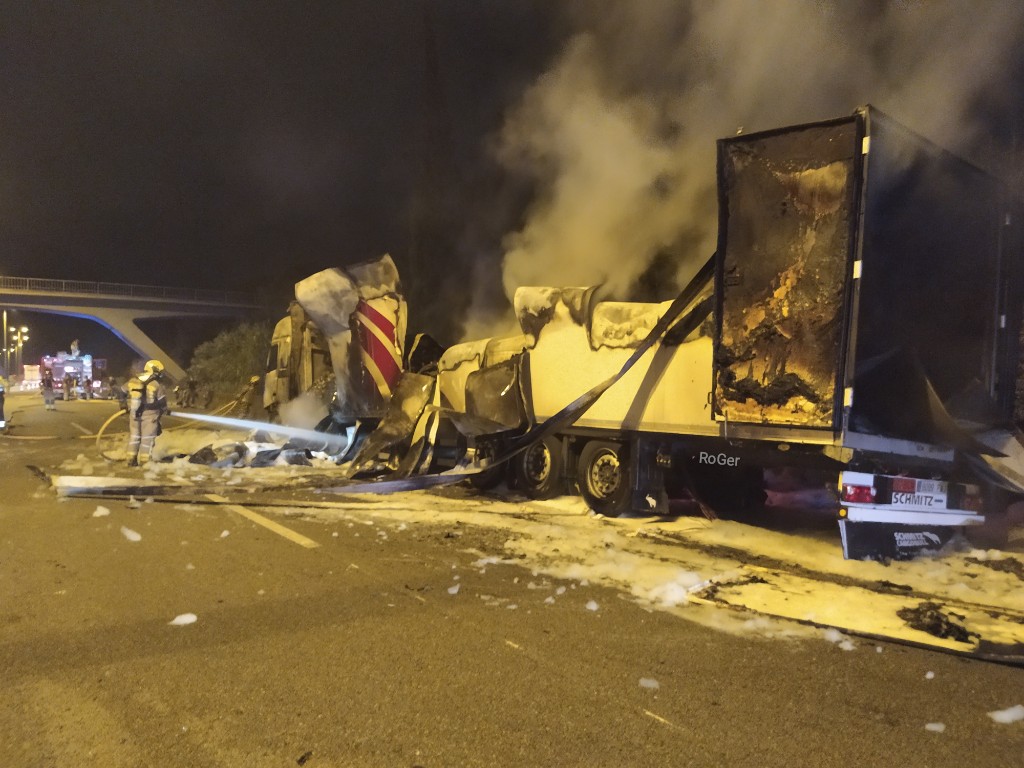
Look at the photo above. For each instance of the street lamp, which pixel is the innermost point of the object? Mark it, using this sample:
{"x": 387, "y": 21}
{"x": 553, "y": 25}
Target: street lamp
{"x": 18, "y": 338}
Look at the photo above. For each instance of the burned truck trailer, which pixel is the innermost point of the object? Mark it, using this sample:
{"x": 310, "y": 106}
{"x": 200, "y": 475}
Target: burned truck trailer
{"x": 859, "y": 322}
{"x": 868, "y": 297}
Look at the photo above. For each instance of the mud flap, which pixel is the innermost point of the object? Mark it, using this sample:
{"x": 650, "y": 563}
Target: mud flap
{"x": 886, "y": 541}
{"x": 418, "y": 458}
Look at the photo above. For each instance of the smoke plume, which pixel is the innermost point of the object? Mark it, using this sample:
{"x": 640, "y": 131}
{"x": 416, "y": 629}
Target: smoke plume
{"x": 618, "y": 136}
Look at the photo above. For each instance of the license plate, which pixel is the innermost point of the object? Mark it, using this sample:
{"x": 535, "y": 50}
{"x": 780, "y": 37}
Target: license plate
{"x": 931, "y": 486}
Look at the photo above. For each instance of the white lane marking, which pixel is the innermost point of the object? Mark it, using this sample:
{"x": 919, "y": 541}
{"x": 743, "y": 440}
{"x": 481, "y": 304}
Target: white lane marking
{"x": 270, "y": 525}
{"x": 663, "y": 721}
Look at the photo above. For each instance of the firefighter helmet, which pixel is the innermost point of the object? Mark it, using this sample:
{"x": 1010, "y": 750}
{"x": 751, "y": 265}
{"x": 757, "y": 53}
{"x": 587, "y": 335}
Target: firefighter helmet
{"x": 152, "y": 369}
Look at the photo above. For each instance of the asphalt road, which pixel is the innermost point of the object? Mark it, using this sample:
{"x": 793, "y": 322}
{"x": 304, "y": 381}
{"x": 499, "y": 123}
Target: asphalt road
{"x": 356, "y": 653}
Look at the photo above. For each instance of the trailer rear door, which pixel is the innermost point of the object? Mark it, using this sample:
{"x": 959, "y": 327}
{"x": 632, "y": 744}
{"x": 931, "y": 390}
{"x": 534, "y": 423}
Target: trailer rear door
{"x": 786, "y": 233}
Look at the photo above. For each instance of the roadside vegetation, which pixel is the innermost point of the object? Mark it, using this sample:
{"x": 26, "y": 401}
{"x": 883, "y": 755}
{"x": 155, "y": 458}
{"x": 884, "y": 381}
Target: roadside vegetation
{"x": 226, "y": 362}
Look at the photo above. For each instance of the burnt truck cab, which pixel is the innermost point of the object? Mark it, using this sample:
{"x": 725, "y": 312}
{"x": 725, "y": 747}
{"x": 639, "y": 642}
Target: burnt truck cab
{"x": 342, "y": 341}
{"x": 298, "y": 358}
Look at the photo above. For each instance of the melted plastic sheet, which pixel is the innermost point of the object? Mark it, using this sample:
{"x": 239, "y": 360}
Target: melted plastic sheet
{"x": 495, "y": 393}
{"x": 385, "y": 447}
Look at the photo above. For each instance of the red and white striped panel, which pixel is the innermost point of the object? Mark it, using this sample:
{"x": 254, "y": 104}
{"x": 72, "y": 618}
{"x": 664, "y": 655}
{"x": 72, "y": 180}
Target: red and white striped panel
{"x": 380, "y": 353}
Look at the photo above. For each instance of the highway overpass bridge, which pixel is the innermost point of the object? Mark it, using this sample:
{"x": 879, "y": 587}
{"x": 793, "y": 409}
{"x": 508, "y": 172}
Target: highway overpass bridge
{"x": 118, "y": 306}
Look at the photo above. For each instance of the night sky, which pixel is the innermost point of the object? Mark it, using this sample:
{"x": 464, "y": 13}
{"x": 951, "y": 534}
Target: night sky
{"x": 482, "y": 143}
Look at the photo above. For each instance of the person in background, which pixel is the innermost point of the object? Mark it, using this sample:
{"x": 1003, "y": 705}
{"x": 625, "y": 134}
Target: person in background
{"x": 246, "y": 398}
{"x": 3, "y": 395}
{"x": 87, "y": 388}
{"x": 47, "y": 388}
{"x": 147, "y": 402}
{"x": 189, "y": 392}
{"x": 69, "y": 387}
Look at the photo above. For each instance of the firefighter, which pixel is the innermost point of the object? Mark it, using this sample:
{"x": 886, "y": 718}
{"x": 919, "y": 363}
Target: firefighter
{"x": 47, "y": 388}
{"x": 187, "y": 393}
{"x": 246, "y": 398}
{"x": 147, "y": 402}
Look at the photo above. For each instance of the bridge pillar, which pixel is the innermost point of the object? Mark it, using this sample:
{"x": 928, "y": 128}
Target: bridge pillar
{"x": 121, "y": 322}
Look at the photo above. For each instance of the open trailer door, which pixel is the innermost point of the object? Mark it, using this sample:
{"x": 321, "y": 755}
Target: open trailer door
{"x": 787, "y": 231}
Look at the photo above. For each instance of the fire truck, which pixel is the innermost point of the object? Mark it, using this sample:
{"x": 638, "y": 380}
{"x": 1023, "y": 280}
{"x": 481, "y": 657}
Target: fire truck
{"x": 79, "y": 367}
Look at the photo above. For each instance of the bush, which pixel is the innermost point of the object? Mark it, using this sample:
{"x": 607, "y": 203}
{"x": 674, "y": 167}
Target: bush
{"x": 231, "y": 358}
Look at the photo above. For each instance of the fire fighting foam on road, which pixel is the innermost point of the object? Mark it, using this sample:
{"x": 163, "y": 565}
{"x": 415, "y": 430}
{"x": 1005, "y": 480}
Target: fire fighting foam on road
{"x": 689, "y": 566}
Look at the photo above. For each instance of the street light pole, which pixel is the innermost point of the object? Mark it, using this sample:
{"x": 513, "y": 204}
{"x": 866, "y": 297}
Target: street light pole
{"x": 22, "y": 338}
{"x": 18, "y": 338}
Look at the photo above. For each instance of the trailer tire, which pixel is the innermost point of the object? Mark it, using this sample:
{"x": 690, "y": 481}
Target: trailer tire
{"x": 603, "y": 474}
{"x": 538, "y": 469}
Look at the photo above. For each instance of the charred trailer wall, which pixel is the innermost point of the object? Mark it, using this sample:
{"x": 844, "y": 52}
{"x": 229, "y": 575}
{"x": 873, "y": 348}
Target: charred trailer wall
{"x": 861, "y": 265}
{"x": 938, "y": 306}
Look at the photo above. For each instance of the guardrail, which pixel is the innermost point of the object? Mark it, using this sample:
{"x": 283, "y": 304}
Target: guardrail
{"x": 45, "y": 285}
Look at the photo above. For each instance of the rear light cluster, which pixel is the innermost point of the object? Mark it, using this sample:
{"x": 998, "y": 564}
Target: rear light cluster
{"x": 857, "y": 494}
{"x": 886, "y": 489}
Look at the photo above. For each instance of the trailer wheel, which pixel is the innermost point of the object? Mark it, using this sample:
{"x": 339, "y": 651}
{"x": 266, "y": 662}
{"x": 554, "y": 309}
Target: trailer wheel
{"x": 538, "y": 469}
{"x": 604, "y": 478}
